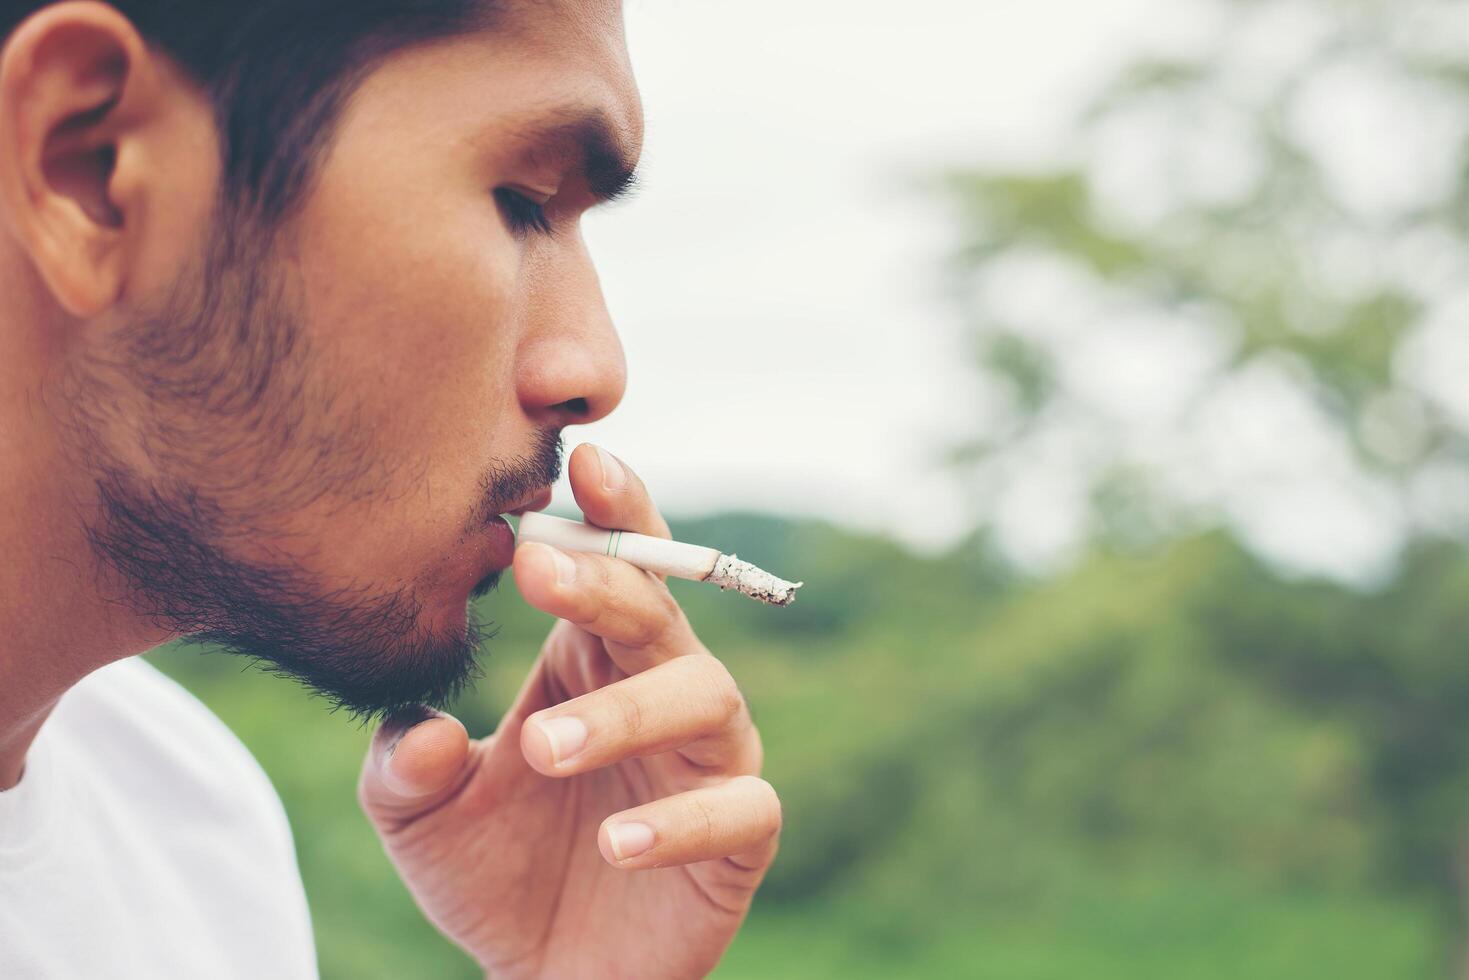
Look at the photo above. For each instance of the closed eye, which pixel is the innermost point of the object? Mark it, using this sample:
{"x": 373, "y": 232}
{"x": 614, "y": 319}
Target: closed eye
{"x": 521, "y": 213}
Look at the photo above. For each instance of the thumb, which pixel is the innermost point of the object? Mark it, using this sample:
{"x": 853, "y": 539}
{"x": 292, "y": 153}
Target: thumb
{"x": 415, "y": 762}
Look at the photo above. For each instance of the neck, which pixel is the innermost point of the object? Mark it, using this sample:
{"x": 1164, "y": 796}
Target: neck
{"x": 56, "y": 620}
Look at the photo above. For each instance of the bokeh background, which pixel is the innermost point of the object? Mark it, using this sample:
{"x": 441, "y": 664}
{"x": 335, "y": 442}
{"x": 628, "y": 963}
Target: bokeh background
{"x": 1103, "y": 367}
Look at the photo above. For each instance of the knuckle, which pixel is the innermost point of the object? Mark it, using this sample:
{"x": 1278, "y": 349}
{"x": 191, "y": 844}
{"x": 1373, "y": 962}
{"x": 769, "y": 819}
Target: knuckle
{"x": 730, "y": 698}
{"x": 654, "y": 622}
{"x": 604, "y": 574}
{"x": 701, "y": 823}
{"x": 666, "y": 610}
{"x": 584, "y": 598}
{"x": 592, "y": 600}
{"x": 770, "y": 808}
{"x": 644, "y": 632}
{"x": 627, "y": 711}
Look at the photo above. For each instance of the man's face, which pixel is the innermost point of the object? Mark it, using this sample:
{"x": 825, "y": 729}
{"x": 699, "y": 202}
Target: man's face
{"x": 301, "y": 442}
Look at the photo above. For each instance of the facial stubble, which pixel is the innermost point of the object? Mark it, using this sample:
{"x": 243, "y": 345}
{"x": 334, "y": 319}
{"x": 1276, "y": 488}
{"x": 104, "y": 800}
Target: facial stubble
{"x": 234, "y": 426}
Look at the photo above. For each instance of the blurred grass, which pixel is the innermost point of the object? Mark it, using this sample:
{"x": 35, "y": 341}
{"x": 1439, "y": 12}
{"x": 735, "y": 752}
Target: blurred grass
{"x": 1199, "y": 929}
{"x": 981, "y": 777}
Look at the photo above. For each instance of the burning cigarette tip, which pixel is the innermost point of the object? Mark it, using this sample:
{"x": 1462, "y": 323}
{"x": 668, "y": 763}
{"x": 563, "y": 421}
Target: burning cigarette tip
{"x": 747, "y": 579}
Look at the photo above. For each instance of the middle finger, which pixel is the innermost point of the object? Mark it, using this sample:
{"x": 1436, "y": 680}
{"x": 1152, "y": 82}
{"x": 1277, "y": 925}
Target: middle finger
{"x": 630, "y": 609}
{"x": 690, "y": 704}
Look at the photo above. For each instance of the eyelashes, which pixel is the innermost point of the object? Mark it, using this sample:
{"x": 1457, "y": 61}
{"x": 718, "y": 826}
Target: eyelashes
{"x": 522, "y": 214}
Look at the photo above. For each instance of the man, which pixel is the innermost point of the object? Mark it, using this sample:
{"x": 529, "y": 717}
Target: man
{"x": 294, "y": 304}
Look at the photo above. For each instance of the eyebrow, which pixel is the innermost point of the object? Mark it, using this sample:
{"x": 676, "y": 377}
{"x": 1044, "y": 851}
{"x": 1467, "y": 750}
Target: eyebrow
{"x": 603, "y": 153}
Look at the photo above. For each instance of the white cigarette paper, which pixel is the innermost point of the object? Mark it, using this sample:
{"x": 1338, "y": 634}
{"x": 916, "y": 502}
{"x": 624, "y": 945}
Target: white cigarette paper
{"x": 659, "y": 555}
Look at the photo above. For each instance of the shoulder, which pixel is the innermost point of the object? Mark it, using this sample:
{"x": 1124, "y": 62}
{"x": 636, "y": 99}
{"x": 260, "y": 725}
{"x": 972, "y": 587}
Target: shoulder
{"x": 148, "y": 733}
{"x": 134, "y": 701}
{"x": 133, "y": 688}
{"x": 169, "y": 817}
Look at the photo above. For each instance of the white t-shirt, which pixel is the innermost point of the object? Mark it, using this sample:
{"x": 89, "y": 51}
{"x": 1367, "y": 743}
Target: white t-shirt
{"x": 145, "y": 841}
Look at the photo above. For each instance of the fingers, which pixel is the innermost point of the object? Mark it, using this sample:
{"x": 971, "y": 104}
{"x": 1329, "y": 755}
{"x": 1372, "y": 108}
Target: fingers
{"x": 677, "y": 697}
{"x": 689, "y": 704}
{"x": 610, "y": 494}
{"x": 607, "y": 597}
{"x": 414, "y": 763}
{"x": 628, "y": 608}
{"x": 739, "y": 819}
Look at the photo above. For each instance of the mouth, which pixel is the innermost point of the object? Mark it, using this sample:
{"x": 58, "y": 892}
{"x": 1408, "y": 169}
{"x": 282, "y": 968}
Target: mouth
{"x": 501, "y": 539}
{"x": 540, "y": 500}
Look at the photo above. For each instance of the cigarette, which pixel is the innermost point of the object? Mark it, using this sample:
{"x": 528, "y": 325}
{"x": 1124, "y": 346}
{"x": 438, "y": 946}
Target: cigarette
{"x": 690, "y": 561}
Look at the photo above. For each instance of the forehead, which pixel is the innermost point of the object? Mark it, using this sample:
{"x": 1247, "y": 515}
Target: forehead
{"x": 539, "y": 63}
{"x": 583, "y": 43}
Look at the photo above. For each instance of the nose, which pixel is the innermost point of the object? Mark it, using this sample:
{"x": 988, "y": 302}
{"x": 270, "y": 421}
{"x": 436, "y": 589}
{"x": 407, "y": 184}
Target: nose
{"x": 571, "y": 367}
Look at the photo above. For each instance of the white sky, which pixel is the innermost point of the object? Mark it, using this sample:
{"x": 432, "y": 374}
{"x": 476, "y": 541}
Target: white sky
{"x": 775, "y": 282}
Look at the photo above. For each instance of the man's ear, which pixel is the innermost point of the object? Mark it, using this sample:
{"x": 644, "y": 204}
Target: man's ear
{"x": 79, "y": 90}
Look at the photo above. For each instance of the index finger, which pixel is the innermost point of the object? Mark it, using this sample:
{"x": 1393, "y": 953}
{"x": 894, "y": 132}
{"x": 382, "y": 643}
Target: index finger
{"x": 611, "y": 495}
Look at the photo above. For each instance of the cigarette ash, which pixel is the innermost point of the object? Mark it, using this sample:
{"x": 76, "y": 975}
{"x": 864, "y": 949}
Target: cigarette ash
{"x": 731, "y": 573}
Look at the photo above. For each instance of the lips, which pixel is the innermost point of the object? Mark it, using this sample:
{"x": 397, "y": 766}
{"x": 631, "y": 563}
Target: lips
{"x": 500, "y": 539}
{"x": 539, "y": 501}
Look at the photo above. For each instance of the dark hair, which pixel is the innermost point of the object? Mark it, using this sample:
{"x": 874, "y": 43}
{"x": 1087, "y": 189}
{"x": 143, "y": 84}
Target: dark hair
{"x": 279, "y": 71}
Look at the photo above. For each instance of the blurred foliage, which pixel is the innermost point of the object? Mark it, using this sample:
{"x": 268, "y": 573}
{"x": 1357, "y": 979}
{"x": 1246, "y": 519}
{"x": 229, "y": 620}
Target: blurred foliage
{"x": 1221, "y": 190}
{"x": 1219, "y": 193}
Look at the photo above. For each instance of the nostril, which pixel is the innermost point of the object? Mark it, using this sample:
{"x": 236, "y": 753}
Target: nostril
{"x": 573, "y": 406}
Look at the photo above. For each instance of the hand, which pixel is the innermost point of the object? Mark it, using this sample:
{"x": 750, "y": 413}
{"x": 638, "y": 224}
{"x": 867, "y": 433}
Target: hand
{"x": 636, "y": 855}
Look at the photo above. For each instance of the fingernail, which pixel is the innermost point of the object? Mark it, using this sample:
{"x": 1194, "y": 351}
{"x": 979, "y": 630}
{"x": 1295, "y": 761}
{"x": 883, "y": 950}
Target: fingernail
{"x": 614, "y": 477}
{"x": 565, "y": 566}
{"x": 629, "y": 839}
{"x": 407, "y": 720}
{"x": 567, "y": 734}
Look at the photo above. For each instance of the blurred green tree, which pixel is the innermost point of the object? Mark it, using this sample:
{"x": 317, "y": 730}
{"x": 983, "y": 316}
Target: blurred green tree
{"x": 1251, "y": 272}
{"x": 1273, "y": 212}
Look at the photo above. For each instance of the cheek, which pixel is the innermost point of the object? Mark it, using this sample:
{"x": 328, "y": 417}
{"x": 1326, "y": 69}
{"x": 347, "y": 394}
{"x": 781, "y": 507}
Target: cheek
{"x": 414, "y": 310}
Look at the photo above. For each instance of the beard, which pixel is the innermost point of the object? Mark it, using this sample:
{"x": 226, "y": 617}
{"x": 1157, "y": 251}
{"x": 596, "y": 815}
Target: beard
{"x": 232, "y": 424}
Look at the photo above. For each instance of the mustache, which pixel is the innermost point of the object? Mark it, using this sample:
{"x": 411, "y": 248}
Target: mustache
{"x": 510, "y": 481}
